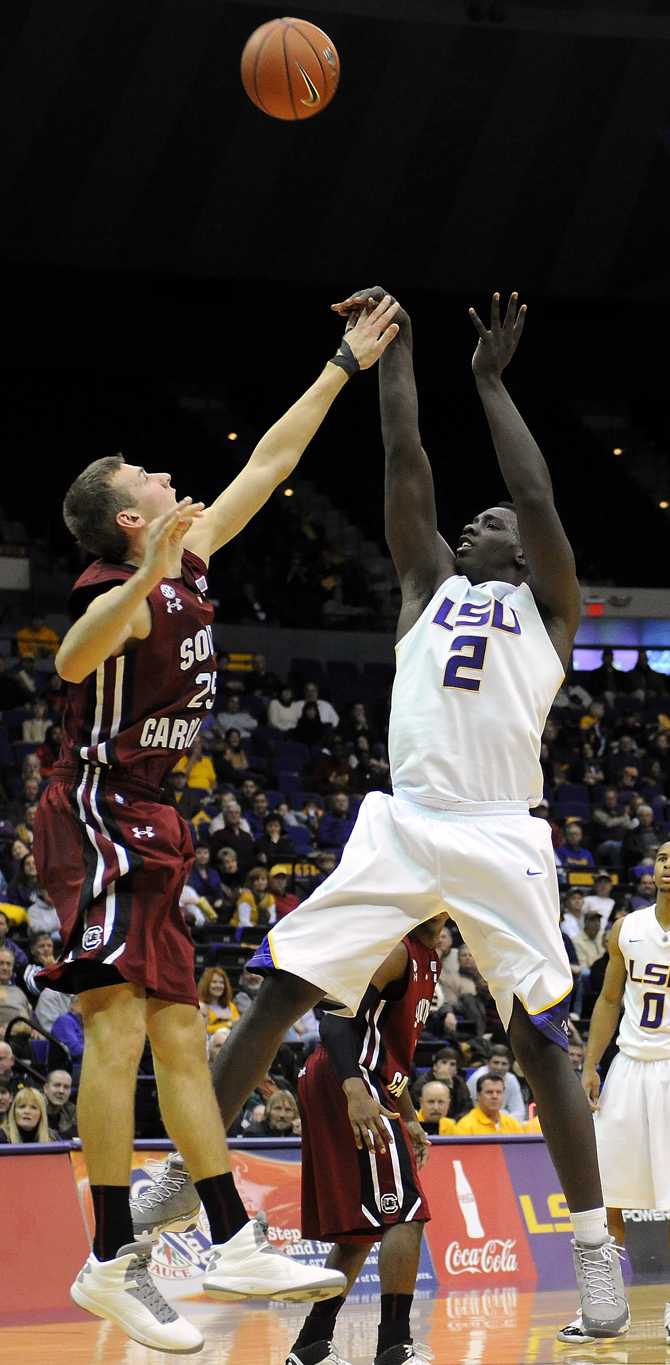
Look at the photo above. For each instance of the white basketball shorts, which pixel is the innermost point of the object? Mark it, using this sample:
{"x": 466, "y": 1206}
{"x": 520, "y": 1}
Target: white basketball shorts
{"x": 632, "y": 1126}
{"x": 493, "y": 870}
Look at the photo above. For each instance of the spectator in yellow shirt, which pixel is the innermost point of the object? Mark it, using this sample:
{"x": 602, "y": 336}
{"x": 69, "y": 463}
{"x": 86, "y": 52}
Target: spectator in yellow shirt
{"x": 199, "y": 769}
{"x": 434, "y": 1110}
{"x": 488, "y": 1116}
{"x": 37, "y": 640}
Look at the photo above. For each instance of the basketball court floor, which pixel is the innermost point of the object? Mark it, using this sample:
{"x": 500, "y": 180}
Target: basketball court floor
{"x": 475, "y": 1327}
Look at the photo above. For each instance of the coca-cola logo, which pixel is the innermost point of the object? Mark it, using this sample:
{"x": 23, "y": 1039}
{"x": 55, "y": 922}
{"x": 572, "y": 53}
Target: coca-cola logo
{"x": 497, "y": 1256}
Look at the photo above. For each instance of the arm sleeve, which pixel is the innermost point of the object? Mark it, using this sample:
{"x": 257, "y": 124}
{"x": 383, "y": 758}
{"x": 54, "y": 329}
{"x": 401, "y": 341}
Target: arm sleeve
{"x": 342, "y": 1038}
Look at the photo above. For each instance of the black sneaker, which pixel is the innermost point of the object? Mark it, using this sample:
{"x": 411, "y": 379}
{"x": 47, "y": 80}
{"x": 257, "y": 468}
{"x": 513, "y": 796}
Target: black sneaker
{"x": 406, "y": 1354}
{"x": 319, "y": 1353}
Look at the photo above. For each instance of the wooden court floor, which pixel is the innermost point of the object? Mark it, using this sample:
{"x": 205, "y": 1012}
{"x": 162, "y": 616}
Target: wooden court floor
{"x": 477, "y": 1327}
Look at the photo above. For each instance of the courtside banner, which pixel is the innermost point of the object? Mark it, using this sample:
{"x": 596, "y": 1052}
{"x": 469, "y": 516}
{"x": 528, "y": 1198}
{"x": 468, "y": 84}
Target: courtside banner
{"x": 499, "y": 1217}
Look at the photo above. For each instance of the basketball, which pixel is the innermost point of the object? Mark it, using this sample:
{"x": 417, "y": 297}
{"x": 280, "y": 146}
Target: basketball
{"x": 290, "y": 69}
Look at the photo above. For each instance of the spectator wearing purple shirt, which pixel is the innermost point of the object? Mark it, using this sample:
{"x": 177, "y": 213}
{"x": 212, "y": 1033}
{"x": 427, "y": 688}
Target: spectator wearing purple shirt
{"x": 572, "y": 855}
{"x": 337, "y": 823}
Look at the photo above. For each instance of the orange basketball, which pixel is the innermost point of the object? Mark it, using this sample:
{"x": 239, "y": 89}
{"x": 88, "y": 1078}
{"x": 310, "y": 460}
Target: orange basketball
{"x": 290, "y": 68}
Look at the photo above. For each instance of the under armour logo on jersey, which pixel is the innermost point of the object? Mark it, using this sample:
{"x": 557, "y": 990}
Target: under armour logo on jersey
{"x": 146, "y": 833}
{"x": 172, "y": 601}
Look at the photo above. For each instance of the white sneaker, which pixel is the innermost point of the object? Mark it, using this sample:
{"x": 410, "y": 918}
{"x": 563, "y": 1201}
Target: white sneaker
{"x": 248, "y": 1267}
{"x": 666, "y": 1323}
{"x": 123, "y": 1291}
{"x": 573, "y": 1332}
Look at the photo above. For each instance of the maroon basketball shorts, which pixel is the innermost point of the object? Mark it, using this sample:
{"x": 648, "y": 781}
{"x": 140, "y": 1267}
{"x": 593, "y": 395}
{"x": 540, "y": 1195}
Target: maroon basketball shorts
{"x": 347, "y": 1194}
{"x": 114, "y": 862}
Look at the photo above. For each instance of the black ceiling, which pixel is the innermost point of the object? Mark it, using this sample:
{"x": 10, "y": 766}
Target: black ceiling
{"x": 455, "y": 153}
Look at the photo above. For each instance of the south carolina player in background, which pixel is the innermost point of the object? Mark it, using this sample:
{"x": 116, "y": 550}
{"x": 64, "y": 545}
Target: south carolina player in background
{"x": 484, "y": 638}
{"x": 141, "y": 673}
{"x": 360, "y": 1190}
{"x": 632, "y": 1115}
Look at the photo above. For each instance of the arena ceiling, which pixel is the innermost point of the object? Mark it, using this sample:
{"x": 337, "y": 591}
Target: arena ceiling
{"x": 532, "y": 144}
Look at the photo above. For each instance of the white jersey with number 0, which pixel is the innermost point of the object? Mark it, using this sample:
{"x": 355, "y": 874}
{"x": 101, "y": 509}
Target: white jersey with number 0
{"x": 475, "y": 678}
{"x": 644, "y": 1033}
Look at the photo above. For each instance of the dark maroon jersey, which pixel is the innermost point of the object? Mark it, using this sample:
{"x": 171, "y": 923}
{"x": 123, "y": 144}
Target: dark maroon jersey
{"x": 393, "y": 1026}
{"x": 141, "y": 710}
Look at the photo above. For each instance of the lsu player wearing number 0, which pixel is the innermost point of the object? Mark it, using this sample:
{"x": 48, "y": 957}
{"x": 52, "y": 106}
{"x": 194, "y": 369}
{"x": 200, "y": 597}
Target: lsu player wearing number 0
{"x": 484, "y": 637}
{"x": 632, "y": 1114}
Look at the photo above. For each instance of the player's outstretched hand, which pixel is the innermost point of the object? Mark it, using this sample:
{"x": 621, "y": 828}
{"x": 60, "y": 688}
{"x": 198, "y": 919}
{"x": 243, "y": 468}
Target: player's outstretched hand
{"x": 591, "y": 1086}
{"x": 366, "y": 1117}
{"x": 373, "y": 332}
{"x": 368, "y": 299}
{"x": 497, "y": 344}
{"x": 420, "y": 1142}
{"x": 164, "y": 534}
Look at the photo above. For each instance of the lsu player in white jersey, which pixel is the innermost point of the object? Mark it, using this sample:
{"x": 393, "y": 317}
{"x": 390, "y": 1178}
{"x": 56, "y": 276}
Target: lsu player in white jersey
{"x": 484, "y": 637}
{"x": 632, "y": 1114}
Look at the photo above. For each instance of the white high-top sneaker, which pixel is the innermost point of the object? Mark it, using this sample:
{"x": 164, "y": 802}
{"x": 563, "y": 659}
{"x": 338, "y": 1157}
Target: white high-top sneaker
{"x": 249, "y": 1267}
{"x": 123, "y": 1291}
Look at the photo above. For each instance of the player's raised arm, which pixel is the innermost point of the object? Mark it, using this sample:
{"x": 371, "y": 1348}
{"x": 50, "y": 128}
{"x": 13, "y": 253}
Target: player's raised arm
{"x": 279, "y": 451}
{"x": 121, "y": 613}
{"x": 551, "y": 563}
{"x": 605, "y": 1017}
{"x": 421, "y": 557}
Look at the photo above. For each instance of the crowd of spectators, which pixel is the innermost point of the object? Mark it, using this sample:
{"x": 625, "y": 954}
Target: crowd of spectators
{"x": 270, "y": 791}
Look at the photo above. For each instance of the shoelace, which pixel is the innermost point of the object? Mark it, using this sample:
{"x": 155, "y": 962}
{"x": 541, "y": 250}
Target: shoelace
{"x": 169, "y": 1183}
{"x": 422, "y": 1353}
{"x": 596, "y": 1267}
{"x": 139, "y": 1281}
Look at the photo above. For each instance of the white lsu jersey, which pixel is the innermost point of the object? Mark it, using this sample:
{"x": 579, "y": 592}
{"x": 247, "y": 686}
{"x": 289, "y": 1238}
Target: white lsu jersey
{"x": 475, "y": 678}
{"x": 644, "y": 1033}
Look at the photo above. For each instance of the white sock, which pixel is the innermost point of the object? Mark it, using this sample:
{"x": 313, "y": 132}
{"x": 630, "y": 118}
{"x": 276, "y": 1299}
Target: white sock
{"x": 590, "y": 1227}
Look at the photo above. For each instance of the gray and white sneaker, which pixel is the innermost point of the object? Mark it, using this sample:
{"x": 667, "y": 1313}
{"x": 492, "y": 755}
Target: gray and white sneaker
{"x": 604, "y": 1307}
{"x": 171, "y": 1204}
{"x": 249, "y": 1267}
{"x": 123, "y": 1291}
{"x": 666, "y": 1323}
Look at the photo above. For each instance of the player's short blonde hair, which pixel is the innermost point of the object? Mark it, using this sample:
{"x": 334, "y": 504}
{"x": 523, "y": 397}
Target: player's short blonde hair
{"x": 90, "y": 509}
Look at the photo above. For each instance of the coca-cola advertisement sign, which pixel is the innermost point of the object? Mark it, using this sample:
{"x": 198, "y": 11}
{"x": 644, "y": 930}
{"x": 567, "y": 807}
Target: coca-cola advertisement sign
{"x": 490, "y": 1258}
{"x": 476, "y": 1233}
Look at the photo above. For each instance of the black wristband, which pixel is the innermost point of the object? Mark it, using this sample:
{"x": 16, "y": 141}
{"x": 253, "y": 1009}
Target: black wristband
{"x": 346, "y": 359}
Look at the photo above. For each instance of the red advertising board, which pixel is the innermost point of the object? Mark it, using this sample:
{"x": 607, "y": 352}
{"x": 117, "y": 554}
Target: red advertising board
{"x": 477, "y": 1235}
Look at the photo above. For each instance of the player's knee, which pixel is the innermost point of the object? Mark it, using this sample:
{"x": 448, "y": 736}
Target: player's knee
{"x": 282, "y": 993}
{"x": 120, "y": 1041}
{"x": 177, "y": 1036}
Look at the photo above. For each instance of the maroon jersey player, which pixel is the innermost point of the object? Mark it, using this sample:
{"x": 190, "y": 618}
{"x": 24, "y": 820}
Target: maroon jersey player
{"x": 139, "y": 666}
{"x": 364, "y": 1188}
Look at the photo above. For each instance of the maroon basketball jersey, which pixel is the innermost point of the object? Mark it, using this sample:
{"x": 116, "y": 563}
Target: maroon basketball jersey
{"x": 393, "y": 1026}
{"x": 138, "y": 712}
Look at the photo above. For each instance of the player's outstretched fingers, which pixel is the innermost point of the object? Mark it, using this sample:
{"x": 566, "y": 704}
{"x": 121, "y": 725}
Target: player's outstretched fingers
{"x": 388, "y": 336}
{"x": 510, "y": 314}
{"x": 478, "y": 324}
{"x": 359, "y": 298}
{"x": 495, "y": 312}
{"x": 521, "y": 318}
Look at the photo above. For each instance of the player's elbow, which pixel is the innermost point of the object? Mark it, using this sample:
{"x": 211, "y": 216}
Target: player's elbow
{"x": 69, "y": 668}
